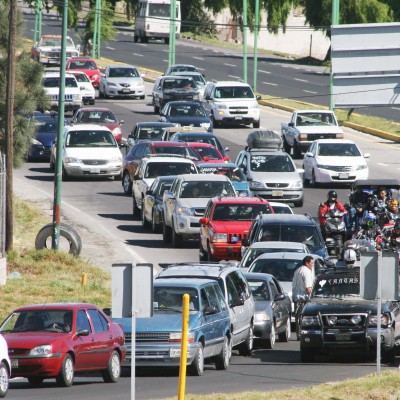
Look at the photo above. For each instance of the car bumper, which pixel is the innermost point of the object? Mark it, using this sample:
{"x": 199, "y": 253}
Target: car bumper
{"x": 328, "y": 176}
{"x": 39, "y": 152}
{"x": 36, "y": 366}
{"x": 129, "y": 92}
{"x": 80, "y": 170}
{"x": 285, "y": 196}
{"x": 226, "y": 251}
{"x": 226, "y": 117}
{"x": 188, "y": 226}
{"x": 68, "y": 106}
{"x": 262, "y": 329}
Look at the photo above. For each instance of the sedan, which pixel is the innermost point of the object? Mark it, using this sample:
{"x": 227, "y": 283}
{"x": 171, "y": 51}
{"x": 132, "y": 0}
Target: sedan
{"x": 272, "y": 309}
{"x": 147, "y": 131}
{"x": 5, "y": 367}
{"x": 48, "y": 341}
{"x": 186, "y": 113}
{"x": 334, "y": 161}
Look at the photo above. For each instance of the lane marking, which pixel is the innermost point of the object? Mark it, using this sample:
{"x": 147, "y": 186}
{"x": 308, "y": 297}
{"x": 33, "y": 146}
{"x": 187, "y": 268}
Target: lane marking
{"x": 166, "y": 61}
{"x": 269, "y": 83}
{"x": 383, "y": 165}
{"x": 198, "y": 58}
{"x": 309, "y": 91}
{"x": 395, "y": 108}
{"x": 137, "y": 55}
{"x": 166, "y": 51}
{"x": 300, "y": 80}
{"x": 110, "y": 48}
{"x": 230, "y": 65}
{"x": 143, "y": 44}
{"x": 264, "y": 72}
{"x": 234, "y": 77}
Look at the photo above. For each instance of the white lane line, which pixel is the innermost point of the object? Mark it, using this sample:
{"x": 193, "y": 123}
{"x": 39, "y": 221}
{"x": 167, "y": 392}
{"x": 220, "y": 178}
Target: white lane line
{"x": 283, "y": 65}
{"x": 198, "y": 58}
{"x": 308, "y": 70}
{"x": 215, "y": 51}
{"x": 230, "y": 65}
{"x": 300, "y": 80}
{"x": 383, "y": 165}
{"x": 167, "y": 61}
{"x": 200, "y": 69}
{"x": 166, "y": 51}
{"x": 263, "y": 72}
{"x": 234, "y": 76}
{"x": 144, "y": 45}
{"x": 309, "y": 91}
{"x": 110, "y": 48}
{"x": 269, "y": 83}
{"x": 137, "y": 54}
{"x": 395, "y": 108}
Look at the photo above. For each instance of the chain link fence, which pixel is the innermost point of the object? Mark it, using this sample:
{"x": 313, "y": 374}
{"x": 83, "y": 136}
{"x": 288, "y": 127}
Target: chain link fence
{"x": 3, "y": 178}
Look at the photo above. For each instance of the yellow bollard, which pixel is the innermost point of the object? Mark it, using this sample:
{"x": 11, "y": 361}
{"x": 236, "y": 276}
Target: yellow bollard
{"x": 184, "y": 346}
{"x": 83, "y": 280}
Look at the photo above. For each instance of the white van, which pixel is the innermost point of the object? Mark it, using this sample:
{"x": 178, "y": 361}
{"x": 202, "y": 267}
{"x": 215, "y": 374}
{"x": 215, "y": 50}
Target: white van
{"x": 153, "y": 20}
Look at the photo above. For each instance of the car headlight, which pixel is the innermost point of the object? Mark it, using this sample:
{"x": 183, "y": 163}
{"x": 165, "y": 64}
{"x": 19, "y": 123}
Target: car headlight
{"x": 205, "y": 124}
{"x": 176, "y": 337}
{"x": 71, "y": 160}
{"x": 36, "y": 142}
{"x": 221, "y": 106}
{"x": 359, "y": 167}
{"x": 297, "y": 184}
{"x": 256, "y": 185}
{"x": 95, "y": 76}
{"x": 138, "y": 83}
{"x": 116, "y": 131}
{"x": 261, "y": 317}
{"x": 111, "y": 84}
{"x": 41, "y": 351}
{"x": 184, "y": 211}
{"x": 219, "y": 238}
{"x": 373, "y": 320}
{"x": 116, "y": 159}
{"x": 76, "y": 96}
{"x": 310, "y": 320}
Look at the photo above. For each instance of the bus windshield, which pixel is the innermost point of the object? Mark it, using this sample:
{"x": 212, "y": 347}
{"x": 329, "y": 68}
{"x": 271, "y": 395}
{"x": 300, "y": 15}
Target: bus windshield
{"x": 159, "y": 10}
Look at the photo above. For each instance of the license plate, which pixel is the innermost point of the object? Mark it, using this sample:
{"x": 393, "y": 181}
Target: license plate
{"x": 173, "y": 353}
{"x": 277, "y": 193}
{"x": 94, "y": 170}
{"x": 126, "y": 90}
{"x": 238, "y": 117}
{"x": 343, "y": 176}
{"x": 343, "y": 337}
{"x": 14, "y": 363}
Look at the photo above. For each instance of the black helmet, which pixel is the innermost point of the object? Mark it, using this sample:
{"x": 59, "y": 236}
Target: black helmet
{"x": 332, "y": 194}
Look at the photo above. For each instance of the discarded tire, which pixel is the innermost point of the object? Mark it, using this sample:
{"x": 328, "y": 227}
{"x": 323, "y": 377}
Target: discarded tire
{"x": 66, "y": 231}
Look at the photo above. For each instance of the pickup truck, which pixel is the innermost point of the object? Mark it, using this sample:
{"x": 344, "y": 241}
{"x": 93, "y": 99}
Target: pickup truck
{"x": 306, "y": 126}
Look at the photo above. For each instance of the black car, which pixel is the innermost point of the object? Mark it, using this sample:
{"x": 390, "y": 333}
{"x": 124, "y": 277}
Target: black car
{"x": 174, "y": 88}
{"x": 337, "y": 320}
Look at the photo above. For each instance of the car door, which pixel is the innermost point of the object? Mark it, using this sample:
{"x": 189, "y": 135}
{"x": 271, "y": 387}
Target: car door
{"x": 285, "y": 306}
{"x": 309, "y": 161}
{"x": 205, "y": 228}
{"x": 138, "y": 177}
{"x": 276, "y": 305}
{"x": 169, "y": 202}
{"x": 150, "y": 199}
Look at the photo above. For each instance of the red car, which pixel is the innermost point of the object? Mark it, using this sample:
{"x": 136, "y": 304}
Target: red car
{"x": 207, "y": 153}
{"x": 101, "y": 116}
{"x": 86, "y": 65}
{"x": 58, "y": 340}
{"x": 226, "y": 222}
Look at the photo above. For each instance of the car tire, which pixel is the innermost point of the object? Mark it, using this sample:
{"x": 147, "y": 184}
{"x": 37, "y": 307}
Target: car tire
{"x": 307, "y": 355}
{"x": 222, "y": 360}
{"x": 35, "y": 380}
{"x": 209, "y": 254}
{"x": 197, "y": 366}
{"x": 296, "y": 151}
{"x": 256, "y": 124}
{"x": 166, "y": 40}
{"x": 285, "y": 336}
{"x": 286, "y": 147}
{"x": 127, "y": 183}
{"x": 313, "y": 182}
{"x": 389, "y": 357}
{"x": 145, "y": 223}
{"x": 142, "y": 97}
{"x": 64, "y": 175}
{"x": 176, "y": 239}
{"x": 272, "y": 337}
{"x": 52, "y": 164}
{"x": 4, "y": 379}
{"x": 156, "y": 109}
{"x": 299, "y": 203}
{"x": 166, "y": 230}
{"x": 154, "y": 226}
{"x": 66, "y": 376}
{"x": 246, "y": 348}
{"x": 66, "y": 231}
{"x": 135, "y": 208}
{"x": 113, "y": 371}
{"x": 202, "y": 254}
{"x": 135, "y": 38}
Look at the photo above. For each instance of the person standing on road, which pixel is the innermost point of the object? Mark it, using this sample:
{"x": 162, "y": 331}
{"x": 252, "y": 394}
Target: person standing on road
{"x": 303, "y": 280}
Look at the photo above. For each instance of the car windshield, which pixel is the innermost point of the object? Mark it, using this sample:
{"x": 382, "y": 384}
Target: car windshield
{"x": 47, "y": 126}
{"x": 206, "y": 189}
{"x": 97, "y": 117}
{"x": 90, "y": 139}
{"x": 182, "y": 68}
{"x": 123, "y": 73}
{"x": 338, "y": 150}
{"x": 171, "y": 298}
{"x": 251, "y": 254}
{"x": 37, "y": 320}
{"x": 159, "y": 10}
{"x": 234, "y": 92}
{"x": 281, "y": 209}
{"x": 200, "y": 139}
{"x": 186, "y": 110}
{"x": 271, "y": 163}
{"x": 54, "y": 82}
{"x": 150, "y": 133}
{"x": 239, "y": 212}
{"x": 283, "y": 270}
{"x": 259, "y": 289}
{"x": 155, "y": 169}
{"x": 179, "y": 83}
{"x": 81, "y": 77}
{"x": 210, "y": 153}
{"x": 336, "y": 286}
{"x": 84, "y": 64}
{"x": 54, "y": 42}
{"x": 314, "y": 119}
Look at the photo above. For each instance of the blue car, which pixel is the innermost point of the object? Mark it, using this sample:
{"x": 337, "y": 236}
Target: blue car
{"x": 186, "y": 113}
{"x": 158, "y": 338}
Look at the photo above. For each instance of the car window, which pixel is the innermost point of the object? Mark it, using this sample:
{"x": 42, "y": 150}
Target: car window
{"x": 239, "y": 212}
{"x": 206, "y": 189}
{"x": 204, "y": 300}
{"x": 282, "y": 269}
{"x": 242, "y": 283}
{"x": 338, "y": 150}
{"x": 278, "y": 286}
{"x": 99, "y": 322}
{"x": 170, "y": 298}
{"x": 271, "y": 163}
{"x": 220, "y": 297}
{"x": 212, "y": 298}
{"x": 274, "y": 290}
{"x": 259, "y": 289}
{"x": 233, "y": 295}
{"x": 82, "y": 321}
{"x": 162, "y": 187}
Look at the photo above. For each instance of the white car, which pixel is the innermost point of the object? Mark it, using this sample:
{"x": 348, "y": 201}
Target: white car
{"x": 89, "y": 150}
{"x": 334, "y": 161}
{"x": 5, "y": 367}
{"x": 121, "y": 81}
{"x": 281, "y": 208}
{"x": 86, "y": 86}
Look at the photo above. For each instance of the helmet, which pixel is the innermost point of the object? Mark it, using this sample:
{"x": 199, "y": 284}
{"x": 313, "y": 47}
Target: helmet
{"x": 350, "y": 256}
{"x": 332, "y": 195}
{"x": 369, "y": 220}
{"x": 393, "y": 202}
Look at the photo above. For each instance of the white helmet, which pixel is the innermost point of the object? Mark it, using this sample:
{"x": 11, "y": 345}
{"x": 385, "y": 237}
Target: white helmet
{"x": 350, "y": 256}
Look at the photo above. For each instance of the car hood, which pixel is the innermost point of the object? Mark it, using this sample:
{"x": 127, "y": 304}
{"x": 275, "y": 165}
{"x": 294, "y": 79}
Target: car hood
{"x": 341, "y": 161}
{"x": 262, "y": 306}
{"x": 32, "y": 339}
{"x": 238, "y": 102}
{"x": 46, "y": 138}
{"x": 193, "y": 203}
{"x": 339, "y": 305}
{"x": 320, "y": 129}
{"x": 92, "y": 153}
{"x": 275, "y": 177}
{"x": 231, "y": 226}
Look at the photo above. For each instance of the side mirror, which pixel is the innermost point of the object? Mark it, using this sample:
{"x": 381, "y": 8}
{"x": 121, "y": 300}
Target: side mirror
{"x": 82, "y": 87}
{"x": 367, "y": 155}
{"x": 309, "y": 154}
{"x": 210, "y": 310}
{"x": 149, "y": 193}
{"x": 121, "y": 122}
{"x": 258, "y": 97}
{"x": 83, "y": 332}
{"x": 279, "y": 297}
{"x": 291, "y": 124}
{"x": 203, "y": 221}
{"x": 227, "y": 149}
{"x": 245, "y": 242}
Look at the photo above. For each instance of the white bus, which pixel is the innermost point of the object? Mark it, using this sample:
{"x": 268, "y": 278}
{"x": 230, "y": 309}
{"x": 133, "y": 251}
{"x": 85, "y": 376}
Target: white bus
{"x": 153, "y": 20}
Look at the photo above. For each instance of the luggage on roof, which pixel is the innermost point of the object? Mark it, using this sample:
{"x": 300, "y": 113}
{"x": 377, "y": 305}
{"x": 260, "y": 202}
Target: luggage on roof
{"x": 264, "y": 139}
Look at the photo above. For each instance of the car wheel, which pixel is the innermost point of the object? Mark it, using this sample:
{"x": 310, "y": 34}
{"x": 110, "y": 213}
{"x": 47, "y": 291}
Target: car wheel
{"x": 307, "y": 355}
{"x": 286, "y": 147}
{"x": 4, "y": 379}
{"x": 313, "y": 182}
{"x": 296, "y": 151}
{"x": 145, "y": 223}
{"x": 176, "y": 238}
{"x": 256, "y": 124}
{"x": 203, "y": 256}
{"x": 299, "y": 203}
{"x": 35, "y": 380}
{"x": 135, "y": 38}
{"x": 222, "y": 360}
{"x": 246, "y": 348}
{"x": 272, "y": 337}
{"x": 389, "y": 357}
{"x": 166, "y": 40}
{"x": 64, "y": 176}
{"x": 113, "y": 371}
{"x": 197, "y": 366}
{"x": 306, "y": 182}
{"x": 154, "y": 226}
{"x": 285, "y": 336}
{"x": 142, "y": 97}
{"x": 52, "y": 164}
{"x": 135, "y": 209}
{"x": 156, "y": 109}
{"x": 127, "y": 183}
{"x": 166, "y": 231}
{"x": 66, "y": 376}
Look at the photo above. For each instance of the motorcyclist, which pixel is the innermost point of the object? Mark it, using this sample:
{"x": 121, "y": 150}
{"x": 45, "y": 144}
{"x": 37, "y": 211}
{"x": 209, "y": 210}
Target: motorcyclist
{"x": 394, "y": 243}
{"x": 332, "y": 203}
{"x": 391, "y": 214}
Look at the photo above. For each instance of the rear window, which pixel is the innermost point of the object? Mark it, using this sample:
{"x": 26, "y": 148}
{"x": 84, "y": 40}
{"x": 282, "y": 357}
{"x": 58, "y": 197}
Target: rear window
{"x": 271, "y": 163}
{"x": 239, "y": 212}
{"x": 283, "y": 270}
{"x": 205, "y": 189}
{"x": 156, "y": 169}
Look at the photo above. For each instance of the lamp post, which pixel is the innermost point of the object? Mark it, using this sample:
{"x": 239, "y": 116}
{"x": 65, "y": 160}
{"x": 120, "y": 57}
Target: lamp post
{"x": 172, "y": 32}
{"x": 335, "y": 21}
{"x": 244, "y": 40}
{"x": 256, "y": 30}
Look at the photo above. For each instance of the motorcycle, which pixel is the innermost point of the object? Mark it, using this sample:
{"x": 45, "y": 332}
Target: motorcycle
{"x": 335, "y": 231}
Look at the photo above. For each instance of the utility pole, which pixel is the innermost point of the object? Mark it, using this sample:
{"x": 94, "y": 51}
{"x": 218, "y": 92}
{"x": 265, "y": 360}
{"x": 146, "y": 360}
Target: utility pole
{"x": 172, "y": 32}
{"x": 335, "y": 21}
{"x": 256, "y": 30}
{"x": 245, "y": 40}
{"x": 10, "y": 124}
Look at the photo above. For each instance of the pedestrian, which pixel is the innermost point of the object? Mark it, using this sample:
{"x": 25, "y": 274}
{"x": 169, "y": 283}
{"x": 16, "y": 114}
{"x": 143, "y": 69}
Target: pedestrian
{"x": 303, "y": 280}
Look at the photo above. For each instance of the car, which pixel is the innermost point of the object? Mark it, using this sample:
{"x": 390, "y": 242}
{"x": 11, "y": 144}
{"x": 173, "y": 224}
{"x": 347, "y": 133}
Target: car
{"x": 152, "y": 167}
{"x": 169, "y": 132}
{"x": 153, "y": 202}
{"x": 197, "y": 77}
{"x": 5, "y": 367}
{"x": 176, "y": 68}
{"x": 86, "y": 65}
{"x": 88, "y": 92}
{"x": 173, "y": 88}
{"x": 226, "y": 221}
{"x": 200, "y": 137}
{"x": 272, "y": 174}
{"x": 147, "y": 131}
{"x": 232, "y": 102}
{"x": 102, "y": 116}
{"x": 46, "y": 132}
{"x": 185, "y": 203}
{"x": 59, "y": 340}
{"x": 290, "y": 228}
{"x": 236, "y": 292}
{"x": 186, "y": 113}
{"x": 207, "y": 153}
{"x": 281, "y": 208}
{"x": 258, "y": 248}
{"x": 272, "y": 309}
{"x": 158, "y": 338}
{"x": 337, "y": 320}
{"x": 146, "y": 148}
{"x": 121, "y": 81}
{"x": 88, "y": 151}
{"x": 334, "y": 161}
